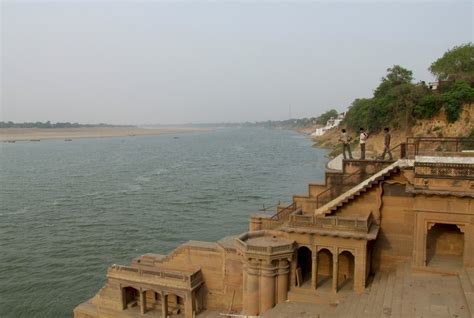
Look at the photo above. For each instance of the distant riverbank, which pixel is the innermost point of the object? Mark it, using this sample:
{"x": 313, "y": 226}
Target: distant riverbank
{"x": 22, "y": 134}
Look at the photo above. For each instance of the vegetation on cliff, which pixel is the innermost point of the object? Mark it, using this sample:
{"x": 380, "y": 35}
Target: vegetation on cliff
{"x": 297, "y": 124}
{"x": 455, "y": 64}
{"x": 397, "y": 102}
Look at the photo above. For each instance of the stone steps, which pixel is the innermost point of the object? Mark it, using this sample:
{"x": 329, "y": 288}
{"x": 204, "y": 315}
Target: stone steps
{"x": 402, "y": 292}
{"x": 364, "y": 185}
{"x": 307, "y": 295}
{"x": 468, "y": 288}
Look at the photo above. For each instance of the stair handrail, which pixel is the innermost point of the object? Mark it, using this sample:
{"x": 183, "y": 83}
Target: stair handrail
{"x": 285, "y": 211}
{"x": 328, "y": 190}
{"x": 459, "y": 142}
{"x": 344, "y": 183}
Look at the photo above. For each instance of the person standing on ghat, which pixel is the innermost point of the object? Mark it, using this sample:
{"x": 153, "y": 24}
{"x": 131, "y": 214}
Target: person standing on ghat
{"x": 386, "y": 144}
{"x": 345, "y": 139}
{"x": 362, "y": 139}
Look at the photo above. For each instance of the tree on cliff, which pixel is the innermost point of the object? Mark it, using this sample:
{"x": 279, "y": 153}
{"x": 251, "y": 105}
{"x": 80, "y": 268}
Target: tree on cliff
{"x": 323, "y": 118}
{"x": 455, "y": 64}
{"x": 396, "y": 75}
{"x": 392, "y": 103}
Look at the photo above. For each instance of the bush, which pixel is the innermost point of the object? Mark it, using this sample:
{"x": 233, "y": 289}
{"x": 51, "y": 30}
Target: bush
{"x": 358, "y": 114}
{"x": 428, "y": 106}
{"x": 454, "y": 99}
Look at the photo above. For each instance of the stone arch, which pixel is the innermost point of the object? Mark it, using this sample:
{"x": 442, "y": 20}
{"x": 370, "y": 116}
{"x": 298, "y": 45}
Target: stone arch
{"x": 346, "y": 263}
{"x": 130, "y": 297}
{"x": 153, "y": 299}
{"x": 325, "y": 267}
{"x": 444, "y": 245}
{"x": 175, "y": 303}
{"x": 304, "y": 264}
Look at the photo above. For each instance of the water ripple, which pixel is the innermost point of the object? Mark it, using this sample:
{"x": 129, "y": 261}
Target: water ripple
{"x": 69, "y": 210}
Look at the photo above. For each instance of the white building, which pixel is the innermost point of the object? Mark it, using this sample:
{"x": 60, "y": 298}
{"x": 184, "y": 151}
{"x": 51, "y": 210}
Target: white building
{"x": 331, "y": 123}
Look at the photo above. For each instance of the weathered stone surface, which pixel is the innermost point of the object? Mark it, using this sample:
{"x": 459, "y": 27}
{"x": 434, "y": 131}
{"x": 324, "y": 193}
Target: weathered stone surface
{"x": 395, "y": 241}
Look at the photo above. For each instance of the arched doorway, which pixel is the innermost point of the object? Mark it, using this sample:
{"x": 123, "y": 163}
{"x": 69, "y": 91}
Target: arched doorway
{"x": 303, "y": 270}
{"x": 175, "y": 304}
{"x": 444, "y": 246}
{"x": 153, "y": 300}
{"x": 131, "y": 297}
{"x": 324, "y": 260}
{"x": 345, "y": 271}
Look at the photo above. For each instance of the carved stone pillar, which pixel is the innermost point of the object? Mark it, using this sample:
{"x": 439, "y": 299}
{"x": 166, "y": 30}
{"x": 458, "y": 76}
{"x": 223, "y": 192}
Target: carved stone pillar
{"x": 314, "y": 271}
{"x": 142, "y": 302}
{"x": 251, "y": 307}
{"x": 360, "y": 269}
{"x": 282, "y": 281}
{"x": 267, "y": 287}
{"x": 188, "y": 305}
{"x": 164, "y": 305}
{"x": 293, "y": 272}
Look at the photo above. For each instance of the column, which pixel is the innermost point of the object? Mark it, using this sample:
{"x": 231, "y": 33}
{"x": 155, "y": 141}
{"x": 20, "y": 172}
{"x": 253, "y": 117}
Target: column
{"x": 360, "y": 268}
{"x": 124, "y": 299}
{"x": 164, "y": 305}
{"x": 251, "y": 307}
{"x": 188, "y": 305}
{"x": 335, "y": 270}
{"x": 282, "y": 281}
{"x": 293, "y": 272}
{"x": 267, "y": 287}
{"x": 142, "y": 302}
{"x": 314, "y": 271}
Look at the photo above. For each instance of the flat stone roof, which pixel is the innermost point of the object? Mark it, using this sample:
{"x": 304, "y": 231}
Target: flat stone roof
{"x": 267, "y": 240}
{"x": 228, "y": 241}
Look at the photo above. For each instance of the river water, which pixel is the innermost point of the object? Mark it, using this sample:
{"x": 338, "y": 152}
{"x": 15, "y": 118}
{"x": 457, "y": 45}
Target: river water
{"x": 68, "y": 210}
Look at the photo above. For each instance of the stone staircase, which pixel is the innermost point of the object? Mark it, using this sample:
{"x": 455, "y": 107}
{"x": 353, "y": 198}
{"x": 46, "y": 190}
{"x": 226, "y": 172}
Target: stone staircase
{"x": 307, "y": 295}
{"x": 151, "y": 259}
{"x": 362, "y": 187}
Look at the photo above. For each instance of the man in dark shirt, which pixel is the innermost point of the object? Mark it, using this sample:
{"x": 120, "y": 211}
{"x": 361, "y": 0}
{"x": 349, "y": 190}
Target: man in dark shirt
{"x": 386, "y": 144}
{"x": 345, "y": 140}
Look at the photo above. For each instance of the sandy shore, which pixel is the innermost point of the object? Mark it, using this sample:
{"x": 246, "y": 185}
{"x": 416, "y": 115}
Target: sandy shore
{"x": 22, "y": 134}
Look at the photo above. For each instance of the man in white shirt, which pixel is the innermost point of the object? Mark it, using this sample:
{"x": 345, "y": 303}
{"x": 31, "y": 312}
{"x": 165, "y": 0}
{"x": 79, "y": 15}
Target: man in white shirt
{"x": 362, "y": 139}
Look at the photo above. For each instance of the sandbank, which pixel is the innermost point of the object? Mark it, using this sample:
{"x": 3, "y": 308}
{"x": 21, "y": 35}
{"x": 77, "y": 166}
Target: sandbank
{"x": 35, "y": 134}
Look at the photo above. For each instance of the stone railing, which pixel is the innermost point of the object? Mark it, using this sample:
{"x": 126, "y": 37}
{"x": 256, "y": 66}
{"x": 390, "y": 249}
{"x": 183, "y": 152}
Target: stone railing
{"x": 247, "y": 247}
{"x": 359, "y": 224}
{"x": 444, "y": 170}
{"x": 158, "y": 277}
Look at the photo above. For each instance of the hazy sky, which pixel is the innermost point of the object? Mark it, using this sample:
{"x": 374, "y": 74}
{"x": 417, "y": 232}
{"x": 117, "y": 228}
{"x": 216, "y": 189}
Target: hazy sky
{"x": 162, "y": 62}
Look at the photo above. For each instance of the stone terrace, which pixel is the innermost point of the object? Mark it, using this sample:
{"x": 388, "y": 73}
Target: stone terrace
{"x": 400, "y": 293}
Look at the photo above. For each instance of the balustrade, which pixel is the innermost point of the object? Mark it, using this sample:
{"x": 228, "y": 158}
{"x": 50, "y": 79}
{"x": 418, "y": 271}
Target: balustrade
{"x": 361, "y": 224}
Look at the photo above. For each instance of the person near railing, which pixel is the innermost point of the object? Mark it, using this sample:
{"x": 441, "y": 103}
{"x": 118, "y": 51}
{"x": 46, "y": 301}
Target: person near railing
{"x": 362, "y": 140}
{"x": 386, "y": 144}
{"x": 345, "y": 140}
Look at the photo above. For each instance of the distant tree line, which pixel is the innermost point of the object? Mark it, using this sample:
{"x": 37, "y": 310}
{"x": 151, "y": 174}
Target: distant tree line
{"x": 295, "y": 124}
{"x": 49, "y": 125}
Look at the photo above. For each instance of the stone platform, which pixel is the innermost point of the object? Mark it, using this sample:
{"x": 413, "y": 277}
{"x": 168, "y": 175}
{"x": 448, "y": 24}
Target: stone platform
{"x": 400, "y": 293}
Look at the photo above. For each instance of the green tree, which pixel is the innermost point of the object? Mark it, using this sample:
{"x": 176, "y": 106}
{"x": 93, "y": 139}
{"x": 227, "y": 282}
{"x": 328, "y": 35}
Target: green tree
{"x": 322, "y": 119}
{"x": 456, "y": 64}
{"x": 396, "y": 75}
{"x": 358, "y": 113}
{"x": 461, "y": 93}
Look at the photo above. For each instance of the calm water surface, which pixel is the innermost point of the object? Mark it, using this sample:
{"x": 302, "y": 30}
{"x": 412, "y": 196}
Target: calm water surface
{"x": 68, "y": 210}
